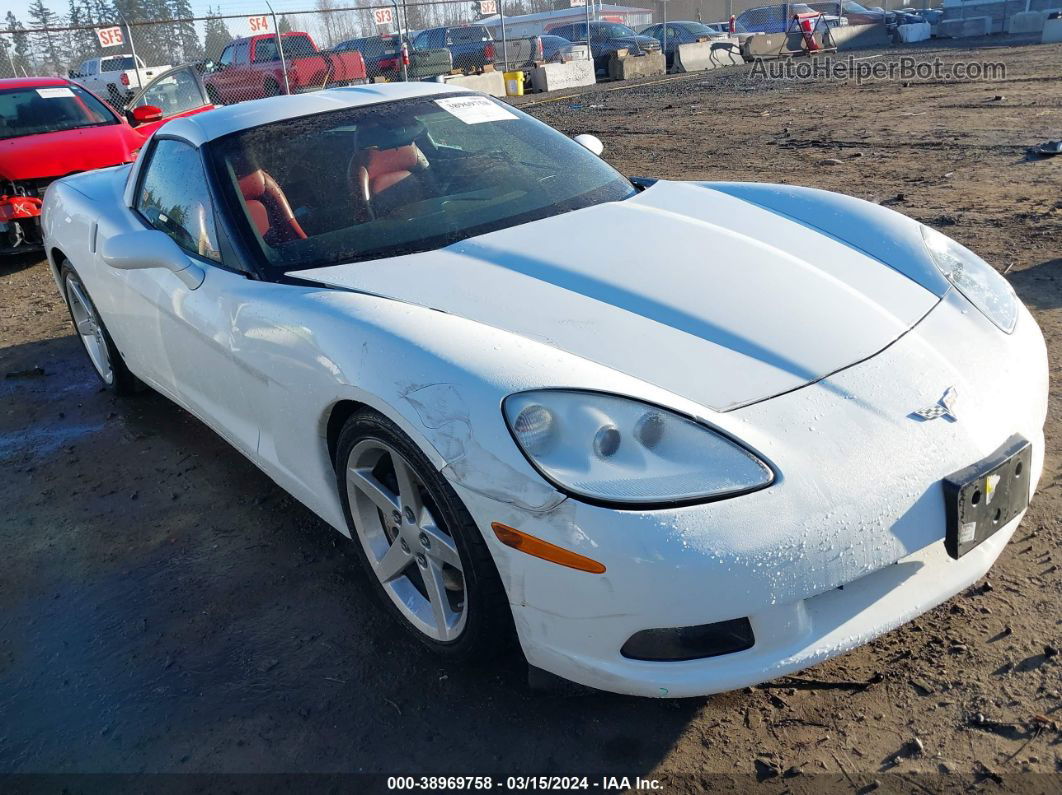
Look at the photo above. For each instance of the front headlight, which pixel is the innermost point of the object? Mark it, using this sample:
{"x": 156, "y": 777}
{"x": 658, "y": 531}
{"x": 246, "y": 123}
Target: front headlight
{"x": 618, "y": 450}
{"x": 974, "y": 278}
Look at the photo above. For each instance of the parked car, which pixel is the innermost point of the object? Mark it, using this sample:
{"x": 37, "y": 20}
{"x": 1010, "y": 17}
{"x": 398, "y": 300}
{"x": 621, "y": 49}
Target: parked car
{"x": 853, "y": 12}
{"x": 773, "y": 19}
{"x": 116, "y": 77}
{"x": 383, "y": 58}
{"x": 733, "y": 467}
{"x": 673, "y": 34}
{"x": 606, "y": 38}
{"x": 557, "y": 49}
{"x": 51, "y": 127}
{"x": 471, "y": 46}
{"x": 250, "y": 68}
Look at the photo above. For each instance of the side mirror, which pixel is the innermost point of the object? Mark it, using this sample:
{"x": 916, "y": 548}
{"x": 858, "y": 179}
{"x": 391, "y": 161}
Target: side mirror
{"x": 150, "y": 248}
{"x": 590, "y": 142}
{"x": 145, "y": 114}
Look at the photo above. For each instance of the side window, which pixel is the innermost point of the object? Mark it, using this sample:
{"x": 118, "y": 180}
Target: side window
{"x": 226, "y": 55}
{"x": 173, "y": 198}
{"x": 421, "y": 41}
{"x": 265, "y": 50}
{"x": 243, "y": 53}
{"x": 174, "y": 92}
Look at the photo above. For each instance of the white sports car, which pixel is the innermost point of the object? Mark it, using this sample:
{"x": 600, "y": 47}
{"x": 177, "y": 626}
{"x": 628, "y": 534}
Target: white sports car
{"x": 674, "y": 437}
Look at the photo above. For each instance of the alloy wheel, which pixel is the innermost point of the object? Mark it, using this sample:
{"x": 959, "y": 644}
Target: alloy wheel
{"x": 89, "y": 329}
{"x": 412, "y": 554}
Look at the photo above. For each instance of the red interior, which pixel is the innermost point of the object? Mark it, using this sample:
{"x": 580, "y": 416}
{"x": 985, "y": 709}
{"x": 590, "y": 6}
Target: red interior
{"x": 269, "y": 207}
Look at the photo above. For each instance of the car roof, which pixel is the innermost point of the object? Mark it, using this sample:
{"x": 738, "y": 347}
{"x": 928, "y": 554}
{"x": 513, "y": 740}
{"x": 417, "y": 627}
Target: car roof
{"x": 222, "y": 121}
{"x": 32, "y": 82}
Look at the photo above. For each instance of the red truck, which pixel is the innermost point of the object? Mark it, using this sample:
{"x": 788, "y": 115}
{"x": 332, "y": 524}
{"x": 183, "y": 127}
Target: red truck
{"x": 251, "y": 68}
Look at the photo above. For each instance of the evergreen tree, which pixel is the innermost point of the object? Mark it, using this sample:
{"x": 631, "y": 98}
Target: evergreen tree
{"x": 82, "y": 43}
{"x": 45, "y": 43}
{"x": 186, "y": 35}
{"x": 216, "y": 35}
{"x": 284, "y": 24}
{"x": 20, "y": 56}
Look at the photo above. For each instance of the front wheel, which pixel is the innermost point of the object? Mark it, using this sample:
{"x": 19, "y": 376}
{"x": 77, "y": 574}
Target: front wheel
{"x": 418, "y": 543}
{"x": 96, "y": 340}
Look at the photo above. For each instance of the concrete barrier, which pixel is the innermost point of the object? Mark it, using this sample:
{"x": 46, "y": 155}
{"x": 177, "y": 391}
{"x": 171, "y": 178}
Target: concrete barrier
{"x": 631, "y": 67}
{"x": 855, "y": 37}
{"x": 964, "y": 28}
{"x": 1052, "y": 31}
{"x": 556, "y": 76}
{"x": 916, "y": 31}
{"x": 772, "y": 45}
{"x": 707, "y": 55}
{"x": 492, "y": 83}
{"x": 1026, "y": 22}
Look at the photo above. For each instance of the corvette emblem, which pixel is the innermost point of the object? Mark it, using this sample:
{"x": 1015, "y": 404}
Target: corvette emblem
{"x": 945, "y": 407}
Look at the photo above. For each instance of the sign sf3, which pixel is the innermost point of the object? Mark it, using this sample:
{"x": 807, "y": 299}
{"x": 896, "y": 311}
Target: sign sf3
{"x": 644, "y": 429}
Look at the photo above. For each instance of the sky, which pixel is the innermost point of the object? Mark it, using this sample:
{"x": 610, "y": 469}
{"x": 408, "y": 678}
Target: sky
{"x": 236, "y": 26}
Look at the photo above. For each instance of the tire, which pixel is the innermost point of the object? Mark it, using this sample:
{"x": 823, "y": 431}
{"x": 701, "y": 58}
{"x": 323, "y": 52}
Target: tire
{"x": 115, "y": 98}
{"x": 213, "y": 96}
{"x": 482, "y": 628}
{"x": 272, "y": 89}
{"x": 96, "y": 341}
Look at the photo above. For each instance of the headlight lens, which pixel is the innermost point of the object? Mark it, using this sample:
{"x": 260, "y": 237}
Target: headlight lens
{"x": 619, "y": 450}
{"x": 974, "y": 278}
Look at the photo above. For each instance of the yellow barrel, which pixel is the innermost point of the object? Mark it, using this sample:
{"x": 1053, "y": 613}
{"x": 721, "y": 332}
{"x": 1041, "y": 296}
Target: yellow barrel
{"x": 514, "y": 84}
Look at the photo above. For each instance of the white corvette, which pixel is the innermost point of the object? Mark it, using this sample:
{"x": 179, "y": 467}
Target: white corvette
{"x": 675, "y": 437}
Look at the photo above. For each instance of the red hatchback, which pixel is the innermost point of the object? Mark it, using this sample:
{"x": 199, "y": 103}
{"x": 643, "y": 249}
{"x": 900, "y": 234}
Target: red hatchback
{"x": 51, "y": 127}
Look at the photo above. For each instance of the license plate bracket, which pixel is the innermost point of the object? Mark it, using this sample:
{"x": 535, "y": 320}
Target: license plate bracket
{"x": 982, "y": 498}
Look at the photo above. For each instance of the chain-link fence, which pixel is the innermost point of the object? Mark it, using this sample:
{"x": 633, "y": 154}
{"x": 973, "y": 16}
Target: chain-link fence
{"x": 236, "y": 57}
{"x": 231, "y": 57}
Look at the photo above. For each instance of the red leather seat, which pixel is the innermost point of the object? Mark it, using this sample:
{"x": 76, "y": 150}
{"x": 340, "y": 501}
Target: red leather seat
{"x": 378, "y": 170}
{"x": 269, "y": 208}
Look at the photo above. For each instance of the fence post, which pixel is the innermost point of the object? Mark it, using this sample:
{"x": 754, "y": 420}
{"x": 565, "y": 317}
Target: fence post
{"x": 402, "y": 47}
{"x": 663, "y": 30}
{"x": 280, "y": 48}
{"x": 589, "y": 48}
{"x": 132, "y": 49}
{"x": 505, "y": 40}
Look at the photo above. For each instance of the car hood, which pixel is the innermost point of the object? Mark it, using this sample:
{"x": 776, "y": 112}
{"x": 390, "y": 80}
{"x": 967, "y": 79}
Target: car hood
{"x": 60, "y": 153}
{"x": 641, "y": 41}
{"x": 697, "y": 291}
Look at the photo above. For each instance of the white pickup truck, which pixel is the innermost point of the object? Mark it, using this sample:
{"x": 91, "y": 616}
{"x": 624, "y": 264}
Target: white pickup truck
{"x": 115, "y": 77}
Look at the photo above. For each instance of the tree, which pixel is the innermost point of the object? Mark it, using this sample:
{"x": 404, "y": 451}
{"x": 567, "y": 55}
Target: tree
{"x": 284, "y": 25}
{"x": 20, "y": 54}
{"x": 216, "y": 35}
{"x": 44, "y": 43}
{"x": 187, "y": 37}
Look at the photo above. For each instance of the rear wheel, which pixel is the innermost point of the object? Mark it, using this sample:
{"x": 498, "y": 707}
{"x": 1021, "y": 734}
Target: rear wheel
{"x": 420, "y": 546}
{"x": 272, "y": 89}
{"x": 96, "y": 340}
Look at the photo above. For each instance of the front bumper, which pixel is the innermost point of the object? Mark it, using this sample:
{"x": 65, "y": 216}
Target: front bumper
{"x": 859, "y": 504}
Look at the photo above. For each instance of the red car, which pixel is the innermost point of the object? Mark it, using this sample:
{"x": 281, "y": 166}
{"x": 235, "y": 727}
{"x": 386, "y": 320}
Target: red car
{"x": 51, "y": 127}
{"x": 251, "y": 68}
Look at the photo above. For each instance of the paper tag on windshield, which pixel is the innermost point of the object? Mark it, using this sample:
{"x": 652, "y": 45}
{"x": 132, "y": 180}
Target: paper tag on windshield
{"x": 474, "y": 110}
{"x": 55, "y": 93}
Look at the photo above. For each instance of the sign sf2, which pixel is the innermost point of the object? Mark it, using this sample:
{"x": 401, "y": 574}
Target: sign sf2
{"x": 258, "y": 24}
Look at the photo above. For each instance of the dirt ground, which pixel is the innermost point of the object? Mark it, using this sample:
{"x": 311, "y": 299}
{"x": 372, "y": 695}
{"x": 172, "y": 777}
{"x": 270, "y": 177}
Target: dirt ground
{"x": 165, "y": 608}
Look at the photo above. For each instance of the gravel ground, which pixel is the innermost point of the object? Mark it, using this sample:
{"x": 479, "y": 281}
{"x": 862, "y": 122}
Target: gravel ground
{"x": 165, "y": 608}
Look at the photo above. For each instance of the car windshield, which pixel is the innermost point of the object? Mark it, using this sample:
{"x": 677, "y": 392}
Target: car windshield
{"x": 697, "y": 28}
{"x": 46, "y": 109}
{"x": 401, "y": 177}
{"x": 614, "y": 31}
